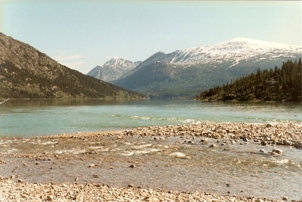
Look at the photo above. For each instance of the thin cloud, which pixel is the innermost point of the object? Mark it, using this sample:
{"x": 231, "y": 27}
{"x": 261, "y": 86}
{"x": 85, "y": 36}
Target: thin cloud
{"x": 73, "y": 65}
{"x": 72, "y": 61}
{"x": 69, "y": 57}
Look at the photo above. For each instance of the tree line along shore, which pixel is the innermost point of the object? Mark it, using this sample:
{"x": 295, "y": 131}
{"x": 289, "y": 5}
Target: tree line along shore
{"x": 279, "y": 84}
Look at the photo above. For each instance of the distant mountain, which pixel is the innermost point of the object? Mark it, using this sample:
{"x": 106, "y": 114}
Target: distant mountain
{"x": 185, "y": 73}
{"x": 280, "y": 84}
{"x": 25, "y": 72}
{"x": 113, "y": 69}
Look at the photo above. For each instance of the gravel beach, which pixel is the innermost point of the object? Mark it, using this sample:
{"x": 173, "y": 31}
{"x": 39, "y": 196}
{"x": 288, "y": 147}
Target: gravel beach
{"x": 21, "y": 191}
{"x": 289, "y": 134}
{"x": 200, "y": 162}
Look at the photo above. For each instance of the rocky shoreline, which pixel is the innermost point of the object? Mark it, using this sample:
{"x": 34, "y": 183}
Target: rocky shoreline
{"x": 289, "y": 134}
{"x": 22, "y": 191}
{"x": 199, "y": 162}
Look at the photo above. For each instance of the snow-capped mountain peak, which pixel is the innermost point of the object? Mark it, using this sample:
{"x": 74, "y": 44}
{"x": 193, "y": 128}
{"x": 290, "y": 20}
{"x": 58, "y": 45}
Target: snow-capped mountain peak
{"x": 185, "y": 73}
{"x": 265, "y": 45}
{"x": 233, "y": 50}
{"x": 113, "y": 69}
{"x": 117, "y": 61}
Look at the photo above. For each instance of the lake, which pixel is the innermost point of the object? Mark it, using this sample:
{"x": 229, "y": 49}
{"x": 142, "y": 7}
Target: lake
{"x": 45, "y": 117}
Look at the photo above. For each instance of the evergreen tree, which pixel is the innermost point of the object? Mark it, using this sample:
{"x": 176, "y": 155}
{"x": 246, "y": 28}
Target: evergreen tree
{"x": 278, "y": 84}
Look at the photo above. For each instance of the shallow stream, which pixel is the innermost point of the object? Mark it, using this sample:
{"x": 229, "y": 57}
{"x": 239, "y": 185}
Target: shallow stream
{"x": 173, "y": 163}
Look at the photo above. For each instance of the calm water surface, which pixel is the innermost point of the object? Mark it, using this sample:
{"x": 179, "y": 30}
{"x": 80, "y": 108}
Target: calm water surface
{"x": 32, "y": 118}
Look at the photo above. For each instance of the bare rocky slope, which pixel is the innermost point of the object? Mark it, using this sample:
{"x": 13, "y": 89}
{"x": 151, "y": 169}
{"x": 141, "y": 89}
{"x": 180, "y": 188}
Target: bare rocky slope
{"x": 25, "y": 72}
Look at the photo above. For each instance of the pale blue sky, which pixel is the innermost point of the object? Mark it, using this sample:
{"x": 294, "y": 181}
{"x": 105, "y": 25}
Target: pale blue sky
{"x": 83, "y": 34}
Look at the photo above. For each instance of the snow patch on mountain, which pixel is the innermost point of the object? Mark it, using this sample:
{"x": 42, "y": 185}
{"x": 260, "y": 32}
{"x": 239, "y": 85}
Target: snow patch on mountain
{"x": 119, "y": 63}
{"x": 234, "y": 50}
{"x": 113, "y": 69}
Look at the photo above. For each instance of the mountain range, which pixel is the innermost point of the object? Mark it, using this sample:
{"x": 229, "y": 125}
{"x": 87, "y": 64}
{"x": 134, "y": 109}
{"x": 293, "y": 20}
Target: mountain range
{"x": 26, "y": 72}
{"x": 185, "y": 73}
{"x": 113, "y": 69}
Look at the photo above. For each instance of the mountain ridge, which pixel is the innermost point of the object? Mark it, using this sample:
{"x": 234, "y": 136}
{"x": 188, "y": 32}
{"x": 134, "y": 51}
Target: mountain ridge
{"x": 113, "y": 69}
{"x": 180, "y": 73}
{"x": 225, "y": 50}
{"x": 26, "y": 72}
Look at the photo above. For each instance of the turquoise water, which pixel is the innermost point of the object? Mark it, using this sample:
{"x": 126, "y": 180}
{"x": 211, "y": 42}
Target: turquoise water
{"x": 32, "y": 118}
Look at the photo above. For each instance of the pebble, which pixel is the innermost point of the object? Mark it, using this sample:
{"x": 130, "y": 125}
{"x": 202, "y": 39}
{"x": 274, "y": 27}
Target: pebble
{"x": 178, "y": 154}
{"x": 262, "y": 151}
{"x": 286, "y": 142}
{"x": 284, "y": 198}
{"x": 49, "y": 198}
{"x": 92, "y": 165}
{"x": 245, "y": 139}
{"x": 20, "y": 180}
{"x": 276, "y": 152}
{"x": 204, "y": 141}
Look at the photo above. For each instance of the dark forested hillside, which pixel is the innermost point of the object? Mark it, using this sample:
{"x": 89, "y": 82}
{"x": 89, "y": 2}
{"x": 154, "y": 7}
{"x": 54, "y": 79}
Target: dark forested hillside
{"x": 25, "y": 72}
{"x": 279, "y": 84}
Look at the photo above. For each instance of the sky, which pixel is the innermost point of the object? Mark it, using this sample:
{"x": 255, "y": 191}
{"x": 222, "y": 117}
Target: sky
{"x": 84, "y": 33}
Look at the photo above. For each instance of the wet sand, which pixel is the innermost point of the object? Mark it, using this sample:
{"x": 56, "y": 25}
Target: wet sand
{"x": 230, "y": 161}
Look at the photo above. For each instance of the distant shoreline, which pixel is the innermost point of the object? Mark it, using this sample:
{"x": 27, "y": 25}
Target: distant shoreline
{"x": 256, "y": 101}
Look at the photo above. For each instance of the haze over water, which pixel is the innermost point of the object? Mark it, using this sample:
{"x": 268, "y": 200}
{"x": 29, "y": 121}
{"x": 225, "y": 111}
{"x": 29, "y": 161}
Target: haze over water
{"x": 33, "y": 118}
